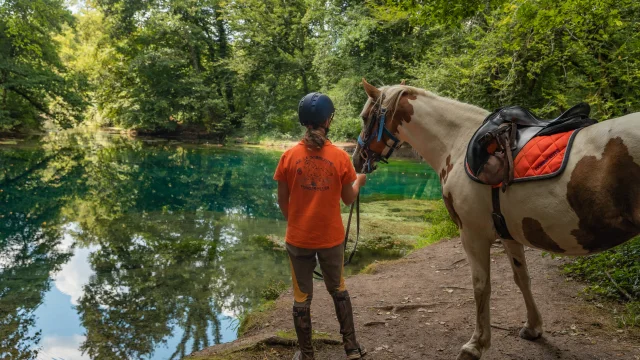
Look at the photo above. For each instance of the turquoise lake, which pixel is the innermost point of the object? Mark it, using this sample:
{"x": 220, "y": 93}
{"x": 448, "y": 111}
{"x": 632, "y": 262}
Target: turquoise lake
{"x": 112, "y": 248}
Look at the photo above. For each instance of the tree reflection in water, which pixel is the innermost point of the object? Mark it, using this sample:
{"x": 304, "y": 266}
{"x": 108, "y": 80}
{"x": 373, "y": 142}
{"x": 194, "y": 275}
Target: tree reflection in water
{"x": 172, "y": 226}
{"x": 169, "y": 228}
{"x": 34, "y": 186}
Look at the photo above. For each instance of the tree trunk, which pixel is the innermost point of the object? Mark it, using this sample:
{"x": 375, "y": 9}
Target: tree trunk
{"x": 4, "y": 90}
{"x": 195, "y": 57}
{"x": 223, "y": 44}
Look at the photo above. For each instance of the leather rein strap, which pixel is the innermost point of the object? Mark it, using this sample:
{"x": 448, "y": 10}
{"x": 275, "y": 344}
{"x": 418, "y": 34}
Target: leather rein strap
{"x": 348, "y": 259}
{"x": 505, "y": 139}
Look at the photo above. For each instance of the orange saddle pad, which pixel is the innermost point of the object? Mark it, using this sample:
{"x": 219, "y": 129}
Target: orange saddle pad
{"x": 543, "y": 157}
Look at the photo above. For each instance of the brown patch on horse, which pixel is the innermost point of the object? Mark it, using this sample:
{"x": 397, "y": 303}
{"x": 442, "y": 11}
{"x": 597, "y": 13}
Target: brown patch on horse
{"x": 448, "y": 202}
{"x": 535, "y": 234}
{"x": 404, "y": 111}
{"x": 605, "y": 194}
{"x": 444, "y": 174}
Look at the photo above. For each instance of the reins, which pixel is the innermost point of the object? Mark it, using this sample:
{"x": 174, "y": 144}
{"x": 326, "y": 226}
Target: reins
{"x": 379, "y": 116}
{"x": 347, "y": 260}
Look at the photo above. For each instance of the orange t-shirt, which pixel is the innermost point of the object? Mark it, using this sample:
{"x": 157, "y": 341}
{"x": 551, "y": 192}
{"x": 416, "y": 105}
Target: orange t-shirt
{"x": 315, "y": 179}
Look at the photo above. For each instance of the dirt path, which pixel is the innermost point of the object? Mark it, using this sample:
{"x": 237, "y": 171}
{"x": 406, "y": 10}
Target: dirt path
{"x": 435, "y": 284}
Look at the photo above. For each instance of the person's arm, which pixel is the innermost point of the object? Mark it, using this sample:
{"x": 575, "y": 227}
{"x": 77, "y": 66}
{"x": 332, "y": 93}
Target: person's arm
{"x": 350, "y": 191}
{"x": 283, "y": 198}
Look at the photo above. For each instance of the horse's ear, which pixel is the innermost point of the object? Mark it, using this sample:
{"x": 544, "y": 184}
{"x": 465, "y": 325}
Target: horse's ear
{"x": 403, "y": 82}
{"x": 371, "y": 90}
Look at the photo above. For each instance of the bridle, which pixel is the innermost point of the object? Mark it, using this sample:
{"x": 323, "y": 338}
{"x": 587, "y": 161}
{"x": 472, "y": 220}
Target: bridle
{"x": 378, "y": 115}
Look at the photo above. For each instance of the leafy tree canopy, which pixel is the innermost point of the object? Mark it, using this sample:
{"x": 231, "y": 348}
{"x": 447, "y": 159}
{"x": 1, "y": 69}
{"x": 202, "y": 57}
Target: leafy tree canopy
{"x": 240, "y": 67}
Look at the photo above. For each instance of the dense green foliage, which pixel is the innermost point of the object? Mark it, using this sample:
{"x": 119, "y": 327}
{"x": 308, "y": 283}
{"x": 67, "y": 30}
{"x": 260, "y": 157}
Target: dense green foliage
{"x": 542, "y": 54}
{"x": 614, "y": 275}
{"x": 240, "y": 67}
{"x": 34, "y": 82}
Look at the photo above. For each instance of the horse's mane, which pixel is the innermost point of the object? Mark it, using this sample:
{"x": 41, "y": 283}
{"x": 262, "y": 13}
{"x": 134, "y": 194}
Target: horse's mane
{"x": 393, "y": 94}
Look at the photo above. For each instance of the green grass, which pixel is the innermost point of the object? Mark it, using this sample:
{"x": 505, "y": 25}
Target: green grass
{"x": 613, "y": 275}
{"x": 372, "y": 268}
{"x": 630, "y": 316}
{"x": 252, "y": 319}
{"x": 273, "y": 290}
{"x": 442, "y": 227}
{"x": 390, "y": 227}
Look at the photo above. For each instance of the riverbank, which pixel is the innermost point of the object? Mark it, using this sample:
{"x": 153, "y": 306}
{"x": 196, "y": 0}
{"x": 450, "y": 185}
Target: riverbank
{"x": 422, "y": 307}
{"x": 405, "y": 152}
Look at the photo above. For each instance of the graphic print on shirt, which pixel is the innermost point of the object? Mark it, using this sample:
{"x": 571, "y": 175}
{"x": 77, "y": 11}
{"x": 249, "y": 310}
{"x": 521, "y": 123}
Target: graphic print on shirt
{"x": 315, "y": 172}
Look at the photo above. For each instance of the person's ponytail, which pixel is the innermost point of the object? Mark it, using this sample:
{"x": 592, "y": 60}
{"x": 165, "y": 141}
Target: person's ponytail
{"x": 315, "y": 138}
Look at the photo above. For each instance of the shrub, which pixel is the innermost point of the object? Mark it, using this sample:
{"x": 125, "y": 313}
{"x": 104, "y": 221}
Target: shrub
{"x": 614, "y": 275}
{"x": 273, "y": 290}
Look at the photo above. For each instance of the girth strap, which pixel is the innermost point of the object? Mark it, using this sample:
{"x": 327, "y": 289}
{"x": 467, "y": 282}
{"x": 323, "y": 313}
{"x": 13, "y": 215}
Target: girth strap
{"x": 498, "y": 219}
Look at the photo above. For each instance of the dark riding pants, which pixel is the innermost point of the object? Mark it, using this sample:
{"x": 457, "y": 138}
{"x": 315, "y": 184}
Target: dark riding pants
{"x": 303, "y": 262}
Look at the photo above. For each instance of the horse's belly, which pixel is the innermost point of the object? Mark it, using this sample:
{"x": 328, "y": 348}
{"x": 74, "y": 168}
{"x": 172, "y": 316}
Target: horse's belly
{"x": 594, "y": 205}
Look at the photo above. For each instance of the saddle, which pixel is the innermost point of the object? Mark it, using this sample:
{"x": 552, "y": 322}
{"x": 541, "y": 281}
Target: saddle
{"x": 506, "y": 131}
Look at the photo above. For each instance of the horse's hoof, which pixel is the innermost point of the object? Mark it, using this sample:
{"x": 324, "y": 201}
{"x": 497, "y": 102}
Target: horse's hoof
{"x": 530, "y": 334}
{"x": 467, "y": 355}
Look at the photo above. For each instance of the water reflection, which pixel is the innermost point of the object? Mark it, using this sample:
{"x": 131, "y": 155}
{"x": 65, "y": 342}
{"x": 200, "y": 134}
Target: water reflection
{"x": 150, "y": 246}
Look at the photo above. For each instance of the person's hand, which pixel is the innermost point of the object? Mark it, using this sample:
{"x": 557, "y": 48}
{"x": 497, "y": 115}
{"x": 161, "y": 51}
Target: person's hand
{"x": 361, "y": 179}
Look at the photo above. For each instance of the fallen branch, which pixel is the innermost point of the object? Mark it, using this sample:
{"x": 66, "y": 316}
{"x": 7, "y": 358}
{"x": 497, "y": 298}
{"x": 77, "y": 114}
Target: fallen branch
{"x": 618, "y": 287}
{"x": 403, "y": 307}
{"x": 277, "y": 340}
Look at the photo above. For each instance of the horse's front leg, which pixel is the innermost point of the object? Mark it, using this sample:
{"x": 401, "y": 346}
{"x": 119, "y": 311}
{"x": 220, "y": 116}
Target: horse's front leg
{"x": 478, "y": 255}
{"x": 532, "y": 330}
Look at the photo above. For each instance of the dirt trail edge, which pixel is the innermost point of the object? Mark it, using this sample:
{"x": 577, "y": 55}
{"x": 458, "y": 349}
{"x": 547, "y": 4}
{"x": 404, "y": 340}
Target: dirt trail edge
{"x": 422, "y": 307}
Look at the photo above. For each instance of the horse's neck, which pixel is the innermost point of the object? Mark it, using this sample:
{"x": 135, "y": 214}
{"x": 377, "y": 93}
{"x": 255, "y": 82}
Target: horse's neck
{"x": 440, "y": 128}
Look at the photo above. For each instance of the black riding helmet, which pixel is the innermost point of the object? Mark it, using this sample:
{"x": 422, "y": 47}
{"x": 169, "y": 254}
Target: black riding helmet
{"x": 314, "y": 109}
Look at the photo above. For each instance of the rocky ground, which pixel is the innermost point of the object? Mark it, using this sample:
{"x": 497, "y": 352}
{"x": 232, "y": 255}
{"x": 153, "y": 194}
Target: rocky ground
{"x": 422, "y": 307}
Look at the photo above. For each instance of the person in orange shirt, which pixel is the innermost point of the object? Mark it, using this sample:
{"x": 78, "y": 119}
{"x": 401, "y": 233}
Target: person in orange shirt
{"x": 312, "y": 178}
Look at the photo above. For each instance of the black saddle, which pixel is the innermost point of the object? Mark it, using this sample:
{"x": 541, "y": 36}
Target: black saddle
{"x": 507, "y": 130}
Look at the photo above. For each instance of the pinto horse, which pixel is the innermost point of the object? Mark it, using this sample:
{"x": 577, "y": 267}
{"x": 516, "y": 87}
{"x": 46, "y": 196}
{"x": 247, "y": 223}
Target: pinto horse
{"x": 592, "y": 206}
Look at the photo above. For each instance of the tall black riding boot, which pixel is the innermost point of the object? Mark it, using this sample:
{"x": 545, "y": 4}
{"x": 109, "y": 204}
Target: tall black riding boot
{"x": 344, "y": 312}
{"x": 302, "y": 322}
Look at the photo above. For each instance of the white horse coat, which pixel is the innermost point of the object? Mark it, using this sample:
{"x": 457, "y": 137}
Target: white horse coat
{"x": 592, "y": 206}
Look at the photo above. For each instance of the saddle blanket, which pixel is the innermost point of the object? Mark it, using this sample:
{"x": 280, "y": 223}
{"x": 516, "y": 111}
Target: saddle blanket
{"x": 543, "y": 157}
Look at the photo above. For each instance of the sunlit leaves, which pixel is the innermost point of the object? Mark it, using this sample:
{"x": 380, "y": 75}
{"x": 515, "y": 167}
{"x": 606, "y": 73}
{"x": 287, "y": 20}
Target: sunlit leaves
{"x": 34, "y": 83}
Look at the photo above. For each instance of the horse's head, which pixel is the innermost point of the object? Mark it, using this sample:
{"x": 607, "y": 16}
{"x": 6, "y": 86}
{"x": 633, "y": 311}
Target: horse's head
{"x": 383, "y": 113}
